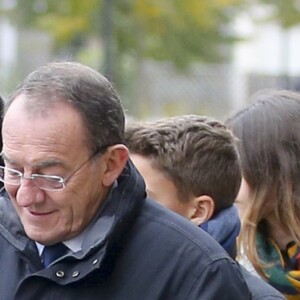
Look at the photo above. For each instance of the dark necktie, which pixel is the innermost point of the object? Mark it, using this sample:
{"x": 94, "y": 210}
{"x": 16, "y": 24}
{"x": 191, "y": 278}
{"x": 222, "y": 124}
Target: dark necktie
{"x": 53, "y": 252}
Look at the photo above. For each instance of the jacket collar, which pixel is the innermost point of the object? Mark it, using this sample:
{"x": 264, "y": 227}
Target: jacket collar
{"x": 111, "y": 227}
{"x": 225, "y": 235}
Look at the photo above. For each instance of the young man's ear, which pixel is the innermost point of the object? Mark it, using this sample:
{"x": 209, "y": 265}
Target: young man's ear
{"x": 203, "y": 209}
{"x": 115, "y": 161}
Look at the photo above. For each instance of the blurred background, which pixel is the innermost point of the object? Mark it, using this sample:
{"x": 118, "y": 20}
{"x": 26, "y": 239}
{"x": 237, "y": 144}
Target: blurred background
{"x": 165, "y": 57}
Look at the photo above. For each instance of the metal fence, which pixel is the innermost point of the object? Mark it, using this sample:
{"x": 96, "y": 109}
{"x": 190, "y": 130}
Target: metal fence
{"x": 214, "y": 90}
{"x": 159, "y": 89}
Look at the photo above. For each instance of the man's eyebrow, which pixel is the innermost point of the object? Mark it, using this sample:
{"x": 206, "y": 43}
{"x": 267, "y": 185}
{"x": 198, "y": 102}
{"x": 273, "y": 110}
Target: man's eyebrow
{"x": 49, "y": 163}
{"x": 44, "y": 164}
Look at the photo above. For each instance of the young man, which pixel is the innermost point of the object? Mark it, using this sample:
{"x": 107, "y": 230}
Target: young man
{"x": 77, "y": 224}
{"x": 190, "y": 165}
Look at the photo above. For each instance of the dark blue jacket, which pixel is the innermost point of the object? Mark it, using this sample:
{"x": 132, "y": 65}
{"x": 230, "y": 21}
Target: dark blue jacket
{"x": 137, "y": 251}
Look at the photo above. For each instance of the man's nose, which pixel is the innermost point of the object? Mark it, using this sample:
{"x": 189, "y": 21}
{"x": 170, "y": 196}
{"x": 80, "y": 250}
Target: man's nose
{"x": 28, "y": 193}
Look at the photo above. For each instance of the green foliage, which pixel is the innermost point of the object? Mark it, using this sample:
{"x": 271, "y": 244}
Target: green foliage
{"x": 66, "y": 20}
{"x": 178, "y": 30}
{"x": 286, "y": 12}
{"x": 181, "y": 31}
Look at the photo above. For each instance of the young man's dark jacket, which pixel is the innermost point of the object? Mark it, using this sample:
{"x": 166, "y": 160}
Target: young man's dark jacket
{"x": 136, "y": 250}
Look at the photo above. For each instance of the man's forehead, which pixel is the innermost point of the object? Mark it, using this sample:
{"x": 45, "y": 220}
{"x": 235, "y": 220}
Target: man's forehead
{"x": 61, "y": 129}
{"x": 38, "y": 106}
{"x": 24, "y": 109}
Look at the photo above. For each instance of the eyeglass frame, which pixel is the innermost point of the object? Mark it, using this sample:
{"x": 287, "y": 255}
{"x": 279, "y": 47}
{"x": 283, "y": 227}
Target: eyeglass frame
{"x": 63, "y": 181}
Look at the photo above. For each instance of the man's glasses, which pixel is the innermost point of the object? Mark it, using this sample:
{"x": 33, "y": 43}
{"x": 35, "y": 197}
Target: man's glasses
{"x": 44, "y": 182}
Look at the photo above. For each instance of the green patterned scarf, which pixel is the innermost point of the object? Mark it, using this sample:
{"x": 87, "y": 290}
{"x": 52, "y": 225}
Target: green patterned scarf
{"x": 283, "y": 270}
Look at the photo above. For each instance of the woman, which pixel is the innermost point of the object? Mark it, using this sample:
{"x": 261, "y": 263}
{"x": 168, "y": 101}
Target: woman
{"x": 269, "y": 200}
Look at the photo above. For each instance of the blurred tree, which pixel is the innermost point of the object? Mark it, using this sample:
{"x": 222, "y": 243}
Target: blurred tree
{"x": 285, "y": 12}
{"x": 181, "y": 31}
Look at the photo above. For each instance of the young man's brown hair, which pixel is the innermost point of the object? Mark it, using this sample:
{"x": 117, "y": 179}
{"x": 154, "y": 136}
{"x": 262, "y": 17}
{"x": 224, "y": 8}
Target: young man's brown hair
{"x": 197, "y": 153}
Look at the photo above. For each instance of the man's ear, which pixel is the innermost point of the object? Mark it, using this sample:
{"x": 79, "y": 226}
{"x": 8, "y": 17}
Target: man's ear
{"x": 115, "y": 161}
{"x": 203, "y": 209}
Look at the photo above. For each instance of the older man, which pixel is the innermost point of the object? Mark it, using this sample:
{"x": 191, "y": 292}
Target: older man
{"x": 77, "y": 224}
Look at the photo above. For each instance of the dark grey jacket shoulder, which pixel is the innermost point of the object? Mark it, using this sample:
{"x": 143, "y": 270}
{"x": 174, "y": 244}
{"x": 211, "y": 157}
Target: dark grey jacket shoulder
{"x": 136, "y": 250}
